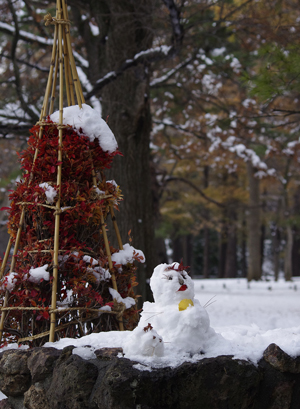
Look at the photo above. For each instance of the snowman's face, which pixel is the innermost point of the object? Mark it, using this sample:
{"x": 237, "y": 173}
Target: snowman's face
{"x": 170, "y": 285}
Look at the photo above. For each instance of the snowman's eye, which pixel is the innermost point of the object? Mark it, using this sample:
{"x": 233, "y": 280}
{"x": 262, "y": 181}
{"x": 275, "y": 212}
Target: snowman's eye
{"x": 183, "y": 276}
{"x": 168, "y": 277}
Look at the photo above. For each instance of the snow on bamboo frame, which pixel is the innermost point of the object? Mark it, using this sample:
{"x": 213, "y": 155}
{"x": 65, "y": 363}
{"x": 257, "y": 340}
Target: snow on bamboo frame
{"x": 57, "y": 218}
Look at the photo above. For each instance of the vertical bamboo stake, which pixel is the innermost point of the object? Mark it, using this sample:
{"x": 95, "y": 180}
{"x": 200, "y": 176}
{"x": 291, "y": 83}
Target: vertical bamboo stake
{"x": 59, "y": 169}
{"x": 12, "y": 266}
{"x": 51, "y": 109}
{"x": 4, "y": 261}
{"x": 66, "y": 64}
{"x": 50, "y": 77}
{"x": 113, "y": 218}
{"x": 106, "y": 243}
{"x": 18, "y": 237}
{"x": 78, "y": 89}
{"x": 110, "y": 264}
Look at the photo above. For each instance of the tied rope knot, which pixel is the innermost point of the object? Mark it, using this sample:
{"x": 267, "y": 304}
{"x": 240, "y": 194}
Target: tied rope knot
{"x": 51, "y": 20}
{"x": 119, "y": 308}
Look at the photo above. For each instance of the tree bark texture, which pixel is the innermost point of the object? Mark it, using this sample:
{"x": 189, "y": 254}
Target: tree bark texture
{"x": 254, "y": 226}
{"x": 125, "y": 30}
{"x": 222, "y": 250}
{"x": 288, "y": 270}
{"x": 231, "y": 248}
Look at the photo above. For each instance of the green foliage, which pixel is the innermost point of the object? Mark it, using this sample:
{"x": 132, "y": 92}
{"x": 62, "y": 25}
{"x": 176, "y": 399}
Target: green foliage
{"x": 279, "y": 72}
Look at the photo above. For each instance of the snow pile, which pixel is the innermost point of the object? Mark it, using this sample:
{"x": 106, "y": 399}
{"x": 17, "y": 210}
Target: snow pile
{"x": 128, "y": 301}
{"x": 10, "y": 281}
{"x": 88, "y": 122}
{"x": 127, "y": 255}
{"x": 90, "y": 260}
{"x": 150, "y": 343}
{"x": 39, "y": 273}
{"x": 50, "y": 192}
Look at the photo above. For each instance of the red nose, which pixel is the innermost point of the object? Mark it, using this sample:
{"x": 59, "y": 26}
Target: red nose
{"x": 183, "y": 287}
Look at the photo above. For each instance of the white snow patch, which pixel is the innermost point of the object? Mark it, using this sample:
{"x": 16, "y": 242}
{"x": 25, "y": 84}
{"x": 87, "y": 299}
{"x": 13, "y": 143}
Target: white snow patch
{"x": 10, "y": 281}
{"x": 90, "y": 260}
{"x": 128, "y": 301}
{"x": 94, "y": 29}
{"x": 216, "y": 52}
{"x": 50, "y": 192}
{"x": 126, "y": 255}
{"x": 90, "y": 122}
{"x": 85, "y": 352}
{"x": 36, "y": 274}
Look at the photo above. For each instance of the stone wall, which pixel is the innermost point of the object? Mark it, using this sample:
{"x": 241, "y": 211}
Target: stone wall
{"x": 46, "y": 378}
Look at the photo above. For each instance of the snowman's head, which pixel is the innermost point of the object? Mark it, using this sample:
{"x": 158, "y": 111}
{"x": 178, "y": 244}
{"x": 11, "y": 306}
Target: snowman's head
{"x": 170, "y": 284}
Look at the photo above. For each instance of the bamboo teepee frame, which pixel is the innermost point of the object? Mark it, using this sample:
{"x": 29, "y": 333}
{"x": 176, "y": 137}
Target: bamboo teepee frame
{"x": 63, "y": 68}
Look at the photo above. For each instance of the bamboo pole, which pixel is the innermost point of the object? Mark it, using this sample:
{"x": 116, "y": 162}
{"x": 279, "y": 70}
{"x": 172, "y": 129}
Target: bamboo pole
{"x": 42, "y": 116}
{"x": 113, "y": 218}
{"x": 50, "y": 77}
{"x": 4, "y": 261}
{"x": 66, "y": 64}
{"x": 12, "y": 266}
{"x": 70, "y": 83}
{"x": 78, "y": 89}
{"x": 59, "y": 170}
{"x": 51, "y": 109}
{"x": 107, "y": 249}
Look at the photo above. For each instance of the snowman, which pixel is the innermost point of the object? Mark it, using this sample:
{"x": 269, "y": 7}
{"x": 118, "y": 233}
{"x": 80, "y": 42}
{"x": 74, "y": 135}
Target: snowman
{"x": 175, "y": 314}
{"x": 144, "y": 341}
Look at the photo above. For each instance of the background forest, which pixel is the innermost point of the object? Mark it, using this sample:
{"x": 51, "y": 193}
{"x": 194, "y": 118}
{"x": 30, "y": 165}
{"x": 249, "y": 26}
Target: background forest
{"x": 203, "y": 99}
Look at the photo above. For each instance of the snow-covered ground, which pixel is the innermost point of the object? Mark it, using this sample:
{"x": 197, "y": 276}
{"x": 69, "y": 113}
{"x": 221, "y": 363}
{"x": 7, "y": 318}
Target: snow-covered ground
{"x": 247, "y": 318}
{"x": 266, "y": 304}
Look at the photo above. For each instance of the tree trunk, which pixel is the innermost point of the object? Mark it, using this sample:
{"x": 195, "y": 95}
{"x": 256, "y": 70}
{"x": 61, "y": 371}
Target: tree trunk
{"x": 206, "y": 228}
{"x": 231, "y": 248}
{"x": 262, "y": 244}
{"x": 222, "y": 251}
{"x": 244, "y": 247}
{"x": 296, "y": 254}
{"x": 254, "y": 227}
{"x": 276, "y": 251}
{"x": 125, "y": 30}
{"x": 288, "y": 272}
{"x": 206, "y": 253}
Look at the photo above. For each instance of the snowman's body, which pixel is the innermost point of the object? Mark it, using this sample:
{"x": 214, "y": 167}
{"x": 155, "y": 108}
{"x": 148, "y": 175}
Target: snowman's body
{"x": 175, "y": 314}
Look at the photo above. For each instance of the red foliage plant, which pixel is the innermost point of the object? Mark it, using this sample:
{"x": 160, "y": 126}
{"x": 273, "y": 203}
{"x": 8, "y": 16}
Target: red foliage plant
{"x": 83, "y": 281}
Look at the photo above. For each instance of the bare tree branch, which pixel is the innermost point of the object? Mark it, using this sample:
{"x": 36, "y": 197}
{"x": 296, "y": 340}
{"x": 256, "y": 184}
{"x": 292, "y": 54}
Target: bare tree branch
{"x": 144, "y": 57}
{"x": 186, "y": 181}
{"x": 18, "y": 85}
{"x": 37, "y": 67}
{"x": 200, "y": 135}
{"x": 8, "y": 129}
{"x": 156, "y": 82}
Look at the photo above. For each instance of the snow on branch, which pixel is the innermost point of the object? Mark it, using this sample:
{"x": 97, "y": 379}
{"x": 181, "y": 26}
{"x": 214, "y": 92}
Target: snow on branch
{"x": 29, "y": 37}
{"x": 24, "y": 35}
{"x": 150, "y": 55}
{"x": 158, "y": 81}
{"x": 168, "y": 122}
